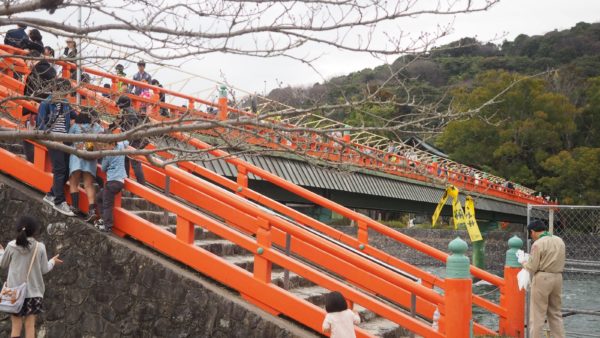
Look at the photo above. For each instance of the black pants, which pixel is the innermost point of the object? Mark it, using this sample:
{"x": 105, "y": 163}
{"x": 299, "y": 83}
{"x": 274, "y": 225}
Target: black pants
{"x": 137, "y": 169}
{"x": 60, "y": 170}
{"x": 105, "y": 200}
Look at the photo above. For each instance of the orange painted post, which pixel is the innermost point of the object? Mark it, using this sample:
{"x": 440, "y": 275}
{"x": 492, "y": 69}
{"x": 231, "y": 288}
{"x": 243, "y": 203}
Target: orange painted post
{"x": 363, "y": 234}
{"x": 242, "y": 178}
{"x": 513, "y": 299}
{"x": 458, "y": 297}
{"x": 222, "y": 103}
{"x": 41, "y": 159}
{"x": 185, "y": 230}
{"x": 66, "y": 72}
{"x": 262, "y": 266}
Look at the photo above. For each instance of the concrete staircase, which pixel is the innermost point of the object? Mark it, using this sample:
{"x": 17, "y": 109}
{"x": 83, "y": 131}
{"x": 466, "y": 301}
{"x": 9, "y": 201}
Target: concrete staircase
{"x": 234, "y": 254}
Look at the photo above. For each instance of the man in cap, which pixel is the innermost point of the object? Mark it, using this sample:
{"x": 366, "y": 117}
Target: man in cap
{"x": 546, "y": 263}
{"x": 140, "y": 76}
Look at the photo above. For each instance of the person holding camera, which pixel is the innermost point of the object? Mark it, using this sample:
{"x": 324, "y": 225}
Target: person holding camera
{"x": 81, "y": 169}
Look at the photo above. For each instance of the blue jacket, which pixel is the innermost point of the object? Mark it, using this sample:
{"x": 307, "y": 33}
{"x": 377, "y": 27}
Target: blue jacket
{"x": 47, "y": 114}
{"x": 16, "y": 37}
{"x": 114, "y": 166}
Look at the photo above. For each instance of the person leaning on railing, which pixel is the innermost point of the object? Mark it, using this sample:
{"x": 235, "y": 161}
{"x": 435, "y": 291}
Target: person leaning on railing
{"x": 127, "y": 120}
{"x": 114, "y": 167}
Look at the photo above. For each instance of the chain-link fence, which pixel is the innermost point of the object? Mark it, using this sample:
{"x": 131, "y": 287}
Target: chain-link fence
{"x": 579, "y": 227}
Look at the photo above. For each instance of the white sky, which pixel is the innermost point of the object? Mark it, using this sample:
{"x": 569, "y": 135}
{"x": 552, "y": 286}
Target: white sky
{"x": 506, "y": 20}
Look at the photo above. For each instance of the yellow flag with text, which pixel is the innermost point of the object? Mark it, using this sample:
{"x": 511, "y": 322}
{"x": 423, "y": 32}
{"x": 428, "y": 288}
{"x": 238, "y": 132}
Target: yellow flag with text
{"x": 470, "y": 221}
{"x": 438, "y": 209}
{"x": 461, "y": 217}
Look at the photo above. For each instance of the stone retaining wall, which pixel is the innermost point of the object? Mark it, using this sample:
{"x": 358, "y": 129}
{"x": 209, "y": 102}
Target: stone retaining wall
{"x": 111, "y": 287}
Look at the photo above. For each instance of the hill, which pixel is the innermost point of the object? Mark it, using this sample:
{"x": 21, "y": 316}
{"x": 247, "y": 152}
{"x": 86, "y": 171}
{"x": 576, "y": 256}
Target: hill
{"x": 544, "y": 132}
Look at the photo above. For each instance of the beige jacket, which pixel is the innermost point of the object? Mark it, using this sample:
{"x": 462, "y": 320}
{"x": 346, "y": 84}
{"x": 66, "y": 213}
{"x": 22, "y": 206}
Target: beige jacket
{"x": 547, "y": 255}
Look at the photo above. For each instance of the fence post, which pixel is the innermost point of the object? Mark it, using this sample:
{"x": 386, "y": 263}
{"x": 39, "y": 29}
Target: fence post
{"x": 363, "y": 234}
{"x": 262, "y": 266}
{"x": 223, "y": 103}
{"x": 458, "y": 297}
{"x": 513, "y": 299}
{"x": 242, "y": 178}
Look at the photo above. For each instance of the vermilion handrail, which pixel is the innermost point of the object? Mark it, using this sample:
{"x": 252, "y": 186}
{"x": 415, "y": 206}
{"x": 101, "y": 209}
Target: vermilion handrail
{"x": 214, "y": 266}
{"x": 382, "y": 291}
{"x": 486, "y": 304}
{"x": 480, "y": 185}
{"x": 427, "y": 278}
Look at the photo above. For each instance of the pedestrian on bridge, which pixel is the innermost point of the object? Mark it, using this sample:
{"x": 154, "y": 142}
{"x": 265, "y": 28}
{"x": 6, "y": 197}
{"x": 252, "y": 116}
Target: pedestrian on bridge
{"x": 339, "y": 321}
{"x": 55, "y": 115}
{"x": 27, "y": 261}
{"x": 546, "y": 263}
{"x": 128, "y": 119}
{"x": 114, "y": 167}
{"x": 17, "y": 37}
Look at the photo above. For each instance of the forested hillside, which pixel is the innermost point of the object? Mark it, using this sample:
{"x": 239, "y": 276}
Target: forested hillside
{"x": 544, "y": 132}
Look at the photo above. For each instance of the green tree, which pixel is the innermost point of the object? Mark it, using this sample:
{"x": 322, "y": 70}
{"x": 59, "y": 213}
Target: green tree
{"x": 527, "y": 125}
{"x": 575, "y": 176}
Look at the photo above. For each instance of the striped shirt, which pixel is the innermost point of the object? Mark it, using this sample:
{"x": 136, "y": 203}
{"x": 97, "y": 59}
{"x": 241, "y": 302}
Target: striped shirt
{"x": 60, "y": 124}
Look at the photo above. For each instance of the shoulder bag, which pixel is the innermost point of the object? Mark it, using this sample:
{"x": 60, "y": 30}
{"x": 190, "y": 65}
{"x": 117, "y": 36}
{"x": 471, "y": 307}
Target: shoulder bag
{"x": 12, "y": 299}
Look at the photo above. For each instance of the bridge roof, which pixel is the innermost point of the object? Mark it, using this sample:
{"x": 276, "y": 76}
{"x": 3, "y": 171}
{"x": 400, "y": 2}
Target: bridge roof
{"x": 361, "y": 182}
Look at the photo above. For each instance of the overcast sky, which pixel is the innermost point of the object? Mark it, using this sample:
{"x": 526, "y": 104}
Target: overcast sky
{"x": 505, "y": 20}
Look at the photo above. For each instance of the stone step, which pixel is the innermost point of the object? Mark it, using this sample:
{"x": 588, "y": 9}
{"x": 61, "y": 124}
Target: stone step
{"x": 138, "y": 203}
{"x": 381, "y": 327}
{"x": 246, "y": 262}
{"x": 295, "y": 281}
{"x": 199, "y": 232}
{"x": 15, "y": 148}
{"x": 156, "y": 217}
{"x": 314, "y": 294}
{"x": 221, "y": 247}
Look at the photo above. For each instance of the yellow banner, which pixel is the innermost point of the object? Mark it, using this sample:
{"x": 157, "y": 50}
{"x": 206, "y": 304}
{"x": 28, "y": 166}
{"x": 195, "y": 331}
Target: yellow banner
{"x": 464, "y": 218}
{"x": 458, "y": 214}
{"x": 438, "y": 209}
{"x": 471, "y": 222}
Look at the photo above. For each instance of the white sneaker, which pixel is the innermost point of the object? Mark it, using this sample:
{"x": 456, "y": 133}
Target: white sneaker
{"x": 49, "y": 199}
{"x": 64, "y": 209}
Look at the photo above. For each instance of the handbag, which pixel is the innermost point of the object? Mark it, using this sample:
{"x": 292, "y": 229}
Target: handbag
{"x": 12, "y": 299}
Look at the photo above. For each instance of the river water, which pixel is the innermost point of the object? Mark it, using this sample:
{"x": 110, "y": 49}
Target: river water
{"x": 579, "y": 292}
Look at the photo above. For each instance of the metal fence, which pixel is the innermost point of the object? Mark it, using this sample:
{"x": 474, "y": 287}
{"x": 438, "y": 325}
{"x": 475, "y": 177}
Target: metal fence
{"x": 579, "y": 227}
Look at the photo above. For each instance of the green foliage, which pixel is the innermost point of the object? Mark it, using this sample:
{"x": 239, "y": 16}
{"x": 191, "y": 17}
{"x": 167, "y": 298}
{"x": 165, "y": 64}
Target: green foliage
{"x": 540, "y": 133}
{"x": 513, "y": 137}
{"x": 574, "y": 175}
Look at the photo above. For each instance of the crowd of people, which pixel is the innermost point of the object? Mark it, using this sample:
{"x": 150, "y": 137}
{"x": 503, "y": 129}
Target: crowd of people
{"x": 56, "y": 115}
